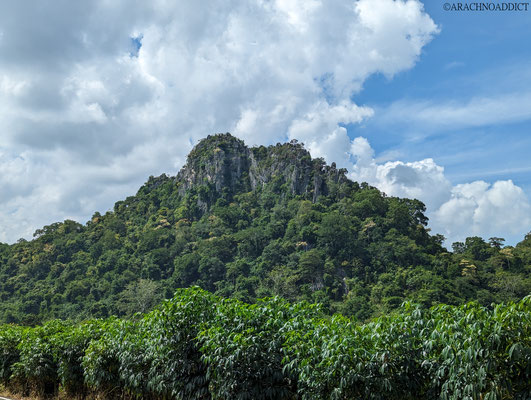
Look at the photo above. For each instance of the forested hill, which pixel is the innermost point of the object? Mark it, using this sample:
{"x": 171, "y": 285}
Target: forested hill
{"x": 248, "y": 223}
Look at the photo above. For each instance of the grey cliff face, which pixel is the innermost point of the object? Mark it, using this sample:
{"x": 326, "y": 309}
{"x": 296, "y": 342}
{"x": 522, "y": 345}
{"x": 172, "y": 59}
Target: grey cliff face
{"x": 218, "y": 161}
{"x": 223, "y": 166}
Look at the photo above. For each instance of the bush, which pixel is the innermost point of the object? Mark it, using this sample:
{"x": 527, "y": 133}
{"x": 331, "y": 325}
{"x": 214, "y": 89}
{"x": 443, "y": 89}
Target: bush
{"x": 37, "y": 368}
{"x": 242, "y": 346}
{"x": 177, "y": 370}
{"x": 10, "y": 338}
{"x": 70, "y": 346}
{"x": 101, "y": 362}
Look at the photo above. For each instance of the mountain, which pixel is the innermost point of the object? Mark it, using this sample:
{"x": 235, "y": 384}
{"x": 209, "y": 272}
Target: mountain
{"x": 248, "y": 223}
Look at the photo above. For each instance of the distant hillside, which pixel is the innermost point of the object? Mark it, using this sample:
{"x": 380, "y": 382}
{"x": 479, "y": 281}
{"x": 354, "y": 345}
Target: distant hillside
{"x": 251, "y": 222}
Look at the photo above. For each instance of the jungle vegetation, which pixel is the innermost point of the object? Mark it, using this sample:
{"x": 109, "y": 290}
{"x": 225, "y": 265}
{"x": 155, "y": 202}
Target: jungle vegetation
{"x": 249, "y": 223}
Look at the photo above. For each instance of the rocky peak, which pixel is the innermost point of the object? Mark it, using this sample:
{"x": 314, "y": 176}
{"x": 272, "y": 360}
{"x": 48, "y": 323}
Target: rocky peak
{"x": 219, "y": 161}
{"x": 223, "y": 165}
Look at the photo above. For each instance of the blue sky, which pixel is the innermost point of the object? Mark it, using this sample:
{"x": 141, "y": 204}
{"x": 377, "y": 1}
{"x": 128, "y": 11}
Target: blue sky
{"x": 419, "y": 102}
{"x": 475, "y": 55}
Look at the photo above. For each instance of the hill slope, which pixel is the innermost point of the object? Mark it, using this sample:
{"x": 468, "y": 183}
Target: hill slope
{"x": 251, "y": 222}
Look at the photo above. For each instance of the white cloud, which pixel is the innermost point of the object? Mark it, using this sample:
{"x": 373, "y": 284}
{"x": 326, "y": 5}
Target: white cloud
{"x": 472, "y": 209}
{"x": 482, "y": 209}
{"x": 85, "y": 123}
{"x": 321, "y": 132}
{"x": 12, "y": 87}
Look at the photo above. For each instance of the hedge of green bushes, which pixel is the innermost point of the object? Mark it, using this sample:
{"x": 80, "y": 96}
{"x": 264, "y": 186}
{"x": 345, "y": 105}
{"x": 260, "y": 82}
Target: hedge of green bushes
{"x": 199, "y": 346}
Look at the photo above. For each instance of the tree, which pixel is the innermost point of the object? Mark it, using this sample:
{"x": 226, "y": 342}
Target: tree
{"x": 139, "y": 297}
{"x": 496, "y": 242}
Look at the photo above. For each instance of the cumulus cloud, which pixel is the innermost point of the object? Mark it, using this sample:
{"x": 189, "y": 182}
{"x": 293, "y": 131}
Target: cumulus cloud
{"x": 320, "y": 129}
{"x": 483, "y": 209}
{"x": 471, "y": 209}
{"x": 96, "y": 96}
{"x": 423, "y": 179}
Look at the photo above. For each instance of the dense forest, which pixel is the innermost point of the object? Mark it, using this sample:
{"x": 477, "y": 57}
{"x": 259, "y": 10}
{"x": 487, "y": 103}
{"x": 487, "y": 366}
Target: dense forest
{"x": 248, "y": 223}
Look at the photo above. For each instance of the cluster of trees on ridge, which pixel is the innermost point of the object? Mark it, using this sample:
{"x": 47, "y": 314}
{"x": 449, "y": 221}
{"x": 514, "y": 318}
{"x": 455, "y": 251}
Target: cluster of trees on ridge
{"x": 250, "y": 223}
{"x": 200, "y": 346}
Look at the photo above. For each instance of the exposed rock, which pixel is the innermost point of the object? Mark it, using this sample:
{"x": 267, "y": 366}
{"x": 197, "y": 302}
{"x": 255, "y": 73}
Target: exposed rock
{"x": 222, "y": 165}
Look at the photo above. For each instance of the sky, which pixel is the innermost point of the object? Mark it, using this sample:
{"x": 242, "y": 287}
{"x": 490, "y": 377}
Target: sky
{"x": 418, "y": 101}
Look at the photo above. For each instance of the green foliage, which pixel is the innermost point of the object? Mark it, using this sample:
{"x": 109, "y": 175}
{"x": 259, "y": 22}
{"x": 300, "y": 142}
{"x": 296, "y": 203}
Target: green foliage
{"x": 339, "y": 359}
{"x": 39, "y": 359}
{"x": 38, "y": 364}
{"x": 101, "y": 361}
{"x": 242, "y": 346}
{"x": 176, "y": 369}
{"x": 200, "y": 346}
{"x": 10, "y": 338}
{"x": 70, "y": 347}
{"x": 476, "y": 353}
